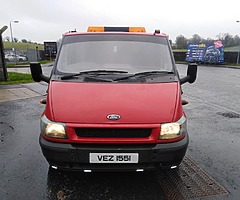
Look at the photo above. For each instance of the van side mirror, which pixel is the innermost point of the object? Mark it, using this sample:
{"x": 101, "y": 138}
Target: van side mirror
{"x": 36, "y": 71}
{"x": 191, "y": 74}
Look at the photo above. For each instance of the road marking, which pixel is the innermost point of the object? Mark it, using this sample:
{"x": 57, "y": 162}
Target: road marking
{"x": 235, "y": 75}
{"x": 213, "y": 104}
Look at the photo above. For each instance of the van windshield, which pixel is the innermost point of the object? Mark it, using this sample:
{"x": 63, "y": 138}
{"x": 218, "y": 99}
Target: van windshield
{"x": 130, "y": 53}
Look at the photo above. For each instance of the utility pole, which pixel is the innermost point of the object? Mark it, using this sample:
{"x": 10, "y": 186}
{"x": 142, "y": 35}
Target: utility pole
{"x": 13, "y": 49}
{"x": 238, "y": 48}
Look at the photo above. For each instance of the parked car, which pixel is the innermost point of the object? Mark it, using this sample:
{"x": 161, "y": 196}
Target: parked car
{"x": 13, "y": 58}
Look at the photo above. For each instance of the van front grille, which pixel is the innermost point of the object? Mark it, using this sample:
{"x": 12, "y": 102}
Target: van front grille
{"x": 113, "y": 133}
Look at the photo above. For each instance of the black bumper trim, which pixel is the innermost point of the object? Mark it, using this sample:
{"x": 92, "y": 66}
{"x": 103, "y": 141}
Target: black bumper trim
{"x": 76, "y": 156}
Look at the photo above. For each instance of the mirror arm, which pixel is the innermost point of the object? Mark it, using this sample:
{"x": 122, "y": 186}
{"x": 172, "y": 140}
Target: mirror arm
{"x": 184, "y": 79}
{"x": 36, "y": 71}
{"x": 45, "y": 78}
{"x": 191, "y": 74}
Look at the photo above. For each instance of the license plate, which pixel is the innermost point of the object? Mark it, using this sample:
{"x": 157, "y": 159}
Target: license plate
{"x": 113, "y": 157}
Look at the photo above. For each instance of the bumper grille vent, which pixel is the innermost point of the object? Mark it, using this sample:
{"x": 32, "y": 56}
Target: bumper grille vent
{"x": 113, "y": 133}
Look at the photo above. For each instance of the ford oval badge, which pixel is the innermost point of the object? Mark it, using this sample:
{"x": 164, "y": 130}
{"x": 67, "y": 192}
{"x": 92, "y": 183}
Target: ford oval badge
{"x": 113, "y": 117}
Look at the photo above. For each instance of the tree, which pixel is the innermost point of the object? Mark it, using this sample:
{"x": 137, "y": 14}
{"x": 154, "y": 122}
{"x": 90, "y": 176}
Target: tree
{"x": 208, "y": 40}
{"x": 220, "y": 36}
{"x": 236, "y": 39}
{"x": 24, "y": 41}
{"x": 228, "y": 40}
{"x": 196, "y": 39}
{"x": 181, "y": 42}
{"x": 7, "y": 39}
{"x": 15, "y": 39}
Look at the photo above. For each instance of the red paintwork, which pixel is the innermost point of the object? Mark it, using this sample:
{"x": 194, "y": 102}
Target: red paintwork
{"x": 88, "y": 104}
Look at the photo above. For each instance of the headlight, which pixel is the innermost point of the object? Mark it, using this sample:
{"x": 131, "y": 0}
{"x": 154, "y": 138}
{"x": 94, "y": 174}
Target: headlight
{"x": 173, "y": 130}
{"x": 53, "y": 129}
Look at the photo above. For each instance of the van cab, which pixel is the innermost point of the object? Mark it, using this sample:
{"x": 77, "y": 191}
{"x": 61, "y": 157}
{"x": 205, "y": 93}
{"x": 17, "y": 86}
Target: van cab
{"x": 114, "y": 102}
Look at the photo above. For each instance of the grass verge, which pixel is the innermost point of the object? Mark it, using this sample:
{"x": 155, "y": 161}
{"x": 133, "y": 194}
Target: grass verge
{"x": 23, "y": 46}
{"x": 17, "y": 78}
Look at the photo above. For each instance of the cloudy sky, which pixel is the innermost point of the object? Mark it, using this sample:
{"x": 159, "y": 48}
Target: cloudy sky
{"x": 47, "y": 20}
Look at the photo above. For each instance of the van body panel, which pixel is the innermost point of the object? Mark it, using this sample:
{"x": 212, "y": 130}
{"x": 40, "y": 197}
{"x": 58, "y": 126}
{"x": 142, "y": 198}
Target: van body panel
{"x": 91, "y": 103}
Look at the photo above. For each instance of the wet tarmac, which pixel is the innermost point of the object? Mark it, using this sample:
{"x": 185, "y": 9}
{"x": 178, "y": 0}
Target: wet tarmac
{"x": 213, "y": 123}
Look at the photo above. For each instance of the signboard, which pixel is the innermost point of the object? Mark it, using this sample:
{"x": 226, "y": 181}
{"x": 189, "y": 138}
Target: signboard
{"x": 50, "y": 50}
{"x": 212, "y": 53}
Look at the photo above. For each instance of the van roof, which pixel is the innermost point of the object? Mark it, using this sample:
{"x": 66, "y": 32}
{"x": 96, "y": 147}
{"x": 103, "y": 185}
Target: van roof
{"x": 92, "y": 30}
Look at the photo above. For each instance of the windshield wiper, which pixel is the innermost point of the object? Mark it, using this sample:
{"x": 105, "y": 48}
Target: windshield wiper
{"x": 143, "y": 74}
{"x": 152, "y": 72}
{"x": 93, "y": 72}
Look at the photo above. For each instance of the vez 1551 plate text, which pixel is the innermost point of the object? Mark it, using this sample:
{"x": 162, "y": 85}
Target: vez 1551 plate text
{"x": 113, "y": 157}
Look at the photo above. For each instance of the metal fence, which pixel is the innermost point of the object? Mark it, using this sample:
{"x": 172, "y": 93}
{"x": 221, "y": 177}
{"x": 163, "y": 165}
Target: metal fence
{"x": 30, "y": 55}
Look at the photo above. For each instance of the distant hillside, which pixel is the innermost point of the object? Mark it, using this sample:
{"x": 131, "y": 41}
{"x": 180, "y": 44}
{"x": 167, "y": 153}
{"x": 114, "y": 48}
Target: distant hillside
{"x": 23, "y": 46}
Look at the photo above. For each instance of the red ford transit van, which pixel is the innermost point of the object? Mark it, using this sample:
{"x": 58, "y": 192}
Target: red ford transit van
{"x": 114, "y": 102}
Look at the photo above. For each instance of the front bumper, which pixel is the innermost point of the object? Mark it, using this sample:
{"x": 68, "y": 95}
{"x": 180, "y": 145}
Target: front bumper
{"x": 76, "y": 156}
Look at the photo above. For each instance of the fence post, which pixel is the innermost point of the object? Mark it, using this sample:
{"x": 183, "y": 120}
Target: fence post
{"x": 2, "y": 57}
